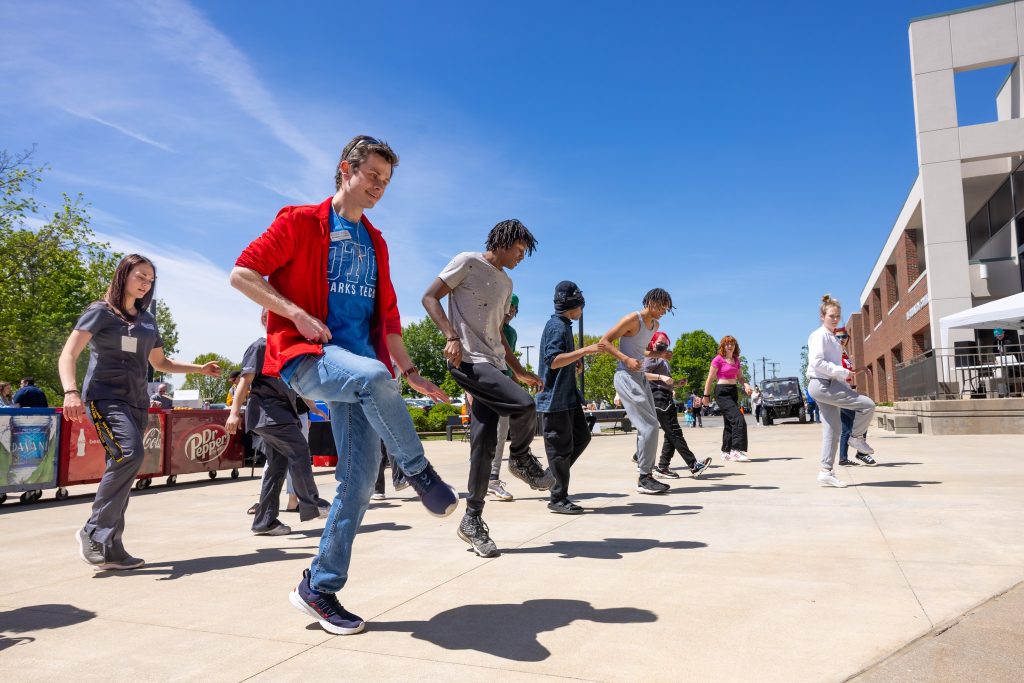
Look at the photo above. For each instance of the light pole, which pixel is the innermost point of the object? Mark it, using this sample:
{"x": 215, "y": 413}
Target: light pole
{"x": 527, "y": 349}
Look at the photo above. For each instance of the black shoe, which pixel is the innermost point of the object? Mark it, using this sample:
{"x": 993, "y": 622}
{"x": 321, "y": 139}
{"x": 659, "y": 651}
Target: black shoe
{"x": 664, "y": 473}
{"x": 473, "y": 530}
{"x": 648, "y": 484}
{"x": 565, "y": 507}
{"x": 635, "y": 459}
{"x": 698, "y": 468}
{"x": 866, "y": 459}
{"x": 847, "y": 463}
{"x": 529, "y": 471}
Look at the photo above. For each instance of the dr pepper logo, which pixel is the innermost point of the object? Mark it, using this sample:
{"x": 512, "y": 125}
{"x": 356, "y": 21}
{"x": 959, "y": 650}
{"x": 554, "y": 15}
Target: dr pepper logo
{"x": 206, "y": 443}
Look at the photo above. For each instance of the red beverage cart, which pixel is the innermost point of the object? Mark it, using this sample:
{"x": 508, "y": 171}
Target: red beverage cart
{"x": 83, "y": 458}
{"x": 195, "y": 441}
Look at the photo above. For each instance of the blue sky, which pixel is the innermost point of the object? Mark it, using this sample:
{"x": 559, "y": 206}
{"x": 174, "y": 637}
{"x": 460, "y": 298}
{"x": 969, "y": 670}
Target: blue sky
{"x": 746, "y": 157}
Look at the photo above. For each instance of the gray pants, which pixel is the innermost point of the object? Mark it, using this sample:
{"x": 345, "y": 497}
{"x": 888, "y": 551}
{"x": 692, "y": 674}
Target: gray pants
{"x": 287, "y": 450}
{"x": 832, "y": 395}
{"x": 499, "y": 451}
{"x": 120, "y": 428}
{"x": 638, "y": 402}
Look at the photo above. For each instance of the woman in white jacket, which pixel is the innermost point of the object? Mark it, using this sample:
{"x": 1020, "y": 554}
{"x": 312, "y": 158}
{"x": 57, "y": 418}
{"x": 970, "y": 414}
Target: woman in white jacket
{"x": 829, "y": 385}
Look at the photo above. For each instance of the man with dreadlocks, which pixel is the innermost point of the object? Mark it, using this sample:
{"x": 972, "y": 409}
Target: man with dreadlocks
{"x": 479, "y": 298}
{"x": 634, "y": 333}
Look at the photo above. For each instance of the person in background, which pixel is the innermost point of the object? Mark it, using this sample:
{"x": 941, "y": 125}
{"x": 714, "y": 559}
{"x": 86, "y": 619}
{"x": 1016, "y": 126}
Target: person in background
{"x": 496, "y": 487}
{"x": 755, "y": 401}
{"x": 727, "y": 373}
{"x": 123, "y": 341}
{"x": 829, "y": 384}
{"x": 813, "y": 414}
{"x": 29, "y": 395}
{"x": 658, "y": 372}
{"x": 233, "y": 377}
{"x": 161, "y": 400}
{"x": 6, "y": 396}
{"x": 846, "y": 415}
{"x": 696, "y": 409}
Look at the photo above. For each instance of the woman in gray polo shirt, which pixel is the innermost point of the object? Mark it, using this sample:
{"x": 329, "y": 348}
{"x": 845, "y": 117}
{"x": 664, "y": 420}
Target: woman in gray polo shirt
{"x": 123, "y": 340}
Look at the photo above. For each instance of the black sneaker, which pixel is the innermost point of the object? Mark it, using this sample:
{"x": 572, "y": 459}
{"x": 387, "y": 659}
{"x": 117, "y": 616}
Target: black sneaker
{"x": 473, "y": 530}
{"x": 648, "y": 484}
{"x": 439, "y": 498}
{"x": 866, "y": 459}
{"x": 89, "y": 550}
{"x": 565, "y": 507}
{"x": 664, "y": 473}
{"x": 529, "y": 471}
{"x": 846, "y": 462}
{"x": 121, "y": 560}
{"x": 635, "y": 458}
{"x": 324, "y": 607}
{"x": 700, "y": 467}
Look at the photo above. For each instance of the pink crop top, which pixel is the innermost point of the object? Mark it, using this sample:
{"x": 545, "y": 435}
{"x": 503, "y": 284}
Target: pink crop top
{"x": 726, "y": 370}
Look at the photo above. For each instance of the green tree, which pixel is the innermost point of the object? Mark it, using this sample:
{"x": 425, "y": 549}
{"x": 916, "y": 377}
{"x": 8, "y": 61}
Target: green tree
{"x": 213, "y": 389}
{"x": 691, "y": 358}
{"x": 804, "y": 361}
{"x": 598, "y": 373}
{"x": 48, "y": 274}
{"x": 168, "y": 330}
{"x": 425, "y": 345}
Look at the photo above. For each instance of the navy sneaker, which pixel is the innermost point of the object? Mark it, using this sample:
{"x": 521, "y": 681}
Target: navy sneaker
{"x": 699, "y": 467}
{"x": 866, "y": 459}
{"x": 324, "y": 607}
{"x": 439, "y": 498}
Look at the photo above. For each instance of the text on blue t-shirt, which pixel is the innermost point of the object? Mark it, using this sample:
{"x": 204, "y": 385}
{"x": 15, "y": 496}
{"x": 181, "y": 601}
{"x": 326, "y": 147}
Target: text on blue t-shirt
{"x": 351, "y": 286}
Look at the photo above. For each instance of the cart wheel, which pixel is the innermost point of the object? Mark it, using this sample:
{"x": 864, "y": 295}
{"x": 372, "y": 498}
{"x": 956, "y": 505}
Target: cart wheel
{"x": 149, "y": 482}
{"x": 3, "y": 498}
{"x": 26, "y": 497}
{"x": 140, "y": 484}
{"x": 234, "y": 473}
{"x": 213, "y": 474}
{"x": 62, "y": 493}
{"x": 803, "y": 416}
{"x": 172, "y": 480}
{"x": 36, "y": 495}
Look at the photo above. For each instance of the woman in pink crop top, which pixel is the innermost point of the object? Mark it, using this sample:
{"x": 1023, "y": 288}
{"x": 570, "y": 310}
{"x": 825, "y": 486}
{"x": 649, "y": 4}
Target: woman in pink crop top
{"x": 727, "y": 373}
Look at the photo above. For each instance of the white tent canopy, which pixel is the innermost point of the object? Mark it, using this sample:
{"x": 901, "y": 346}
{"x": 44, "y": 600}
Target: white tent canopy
{"x": 1007, "y": 313}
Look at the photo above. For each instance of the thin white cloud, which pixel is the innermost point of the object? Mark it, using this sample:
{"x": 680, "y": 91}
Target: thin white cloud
{"x": 120, "y": 129}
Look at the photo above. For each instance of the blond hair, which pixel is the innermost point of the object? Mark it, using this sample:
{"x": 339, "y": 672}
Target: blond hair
{"x": 828, "y": 302}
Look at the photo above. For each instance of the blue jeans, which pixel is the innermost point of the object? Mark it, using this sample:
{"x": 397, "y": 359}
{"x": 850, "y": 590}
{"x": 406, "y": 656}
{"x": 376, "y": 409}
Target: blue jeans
{"x": 366, "y": 408}
{"x": 846, "y": 417}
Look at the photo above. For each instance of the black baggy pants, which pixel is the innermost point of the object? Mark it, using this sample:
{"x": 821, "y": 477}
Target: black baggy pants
{"x": 495, "y": 395}
{"x": 734, "y": 436}
{"x": 287, "y": 450}
{"x": 668, "y": 418}
{"x": 566, "y": 436}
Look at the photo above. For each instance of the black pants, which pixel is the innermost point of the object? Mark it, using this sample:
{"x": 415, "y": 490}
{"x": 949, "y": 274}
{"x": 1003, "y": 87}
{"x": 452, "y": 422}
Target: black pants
{"x": 566, "y": 436}
{"x": 734, "y": 436}
{"x": 696, "y": 412}
{"x": 495, "y": 395}
{"x": 287, "y": 450}
{"x": 668, "y": 418}
{"x": 388, "y": 460}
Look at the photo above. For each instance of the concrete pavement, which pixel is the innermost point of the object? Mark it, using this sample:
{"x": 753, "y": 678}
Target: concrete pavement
{"x": 751, "y": 573}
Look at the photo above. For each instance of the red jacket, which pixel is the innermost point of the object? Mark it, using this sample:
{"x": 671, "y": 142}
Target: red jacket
{"x": 292, "y": 253}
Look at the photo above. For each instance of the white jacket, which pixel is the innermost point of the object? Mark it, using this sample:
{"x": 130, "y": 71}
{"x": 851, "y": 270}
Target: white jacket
{"x": 825, "y": 356}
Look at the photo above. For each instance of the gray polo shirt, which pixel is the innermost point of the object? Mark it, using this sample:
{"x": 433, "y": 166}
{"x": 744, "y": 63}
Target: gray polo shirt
{"x": 481, "y": 296}
{"x": 119, "y": 355}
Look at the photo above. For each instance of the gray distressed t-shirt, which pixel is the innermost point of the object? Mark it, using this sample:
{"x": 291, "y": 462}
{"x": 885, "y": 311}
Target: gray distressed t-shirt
{"x": 119, "y": 355}
{"x": 481, "y": 296}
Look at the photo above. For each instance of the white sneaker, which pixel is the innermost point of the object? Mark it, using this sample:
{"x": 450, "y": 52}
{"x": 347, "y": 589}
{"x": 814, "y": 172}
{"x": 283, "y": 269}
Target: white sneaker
{"x": 727, "y": 455}
{"x": 740, "y": 456}
{"x": 377, "y": 496}
{"x": 860, "y": 444}
{"x": 497, "y": 489}
{"x": 830, "y": 479}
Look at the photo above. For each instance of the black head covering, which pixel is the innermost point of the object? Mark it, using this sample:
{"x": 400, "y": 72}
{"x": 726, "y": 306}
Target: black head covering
{"x": 567, "y": 296}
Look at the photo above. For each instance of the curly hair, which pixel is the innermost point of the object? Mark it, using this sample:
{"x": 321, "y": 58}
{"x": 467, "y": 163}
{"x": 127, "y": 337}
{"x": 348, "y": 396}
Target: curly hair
{"x": 506, "y": 233}
{"x": 359, "y": 150}
{"x": 658, "y": 296}
{"x": 729, "y": 339}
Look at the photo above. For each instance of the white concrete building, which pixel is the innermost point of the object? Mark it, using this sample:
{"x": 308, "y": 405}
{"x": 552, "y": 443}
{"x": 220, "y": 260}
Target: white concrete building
{"x": 959, "y": 239}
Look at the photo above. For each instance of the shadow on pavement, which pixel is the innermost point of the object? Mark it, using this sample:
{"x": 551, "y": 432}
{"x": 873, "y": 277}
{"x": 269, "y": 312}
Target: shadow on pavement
{"x": 201, "y": 565}
{"x": 364, "y": 529}
{"x": 896, "y": 464}
{"x": 647, "y": 509}
{"x": 509, "y": 631}
{"x": 38, "y": 618}
{"x": 901, "y": 483}
{"x": 723, "y": 487}
{"x": 771, "y": 459}
{"x": 608, "y": 549}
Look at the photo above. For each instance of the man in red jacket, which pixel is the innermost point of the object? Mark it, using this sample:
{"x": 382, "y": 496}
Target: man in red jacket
{"x": 333, "y": 333}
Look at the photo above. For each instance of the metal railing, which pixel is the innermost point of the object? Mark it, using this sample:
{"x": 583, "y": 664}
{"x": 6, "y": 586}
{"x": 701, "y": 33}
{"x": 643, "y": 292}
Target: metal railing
{"x": 965, "y": 371}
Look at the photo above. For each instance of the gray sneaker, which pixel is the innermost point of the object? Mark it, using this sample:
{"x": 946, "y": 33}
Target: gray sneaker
{"x": 473, "y": 530}
{"x": 278, "y": 529}
{"x": 89, "y": 550}
{"x": 531, "y": 473}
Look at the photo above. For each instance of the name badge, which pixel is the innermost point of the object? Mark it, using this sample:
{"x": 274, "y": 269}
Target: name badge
{"x": 129, "y": 344}
{"x": 341, "y": 235}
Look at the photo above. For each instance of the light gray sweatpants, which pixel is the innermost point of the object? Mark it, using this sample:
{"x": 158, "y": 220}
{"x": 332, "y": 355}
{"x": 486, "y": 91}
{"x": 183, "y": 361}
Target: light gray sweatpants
{"x": 499, "y": 451}
{"x": 638, "y": 402}
{"x": 832, "y": 396}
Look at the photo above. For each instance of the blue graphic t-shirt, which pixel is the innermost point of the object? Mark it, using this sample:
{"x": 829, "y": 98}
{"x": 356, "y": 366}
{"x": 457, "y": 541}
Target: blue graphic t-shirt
{"x": 351, "y": 286}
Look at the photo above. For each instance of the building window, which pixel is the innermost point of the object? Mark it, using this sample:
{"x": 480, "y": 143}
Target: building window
{"x": 883, "y": 380}
{"x": 977, "y": 230}
{"x": 892, "y": 290}
{"x": 876, "y": 307}
{"x": 1000, "y": 207}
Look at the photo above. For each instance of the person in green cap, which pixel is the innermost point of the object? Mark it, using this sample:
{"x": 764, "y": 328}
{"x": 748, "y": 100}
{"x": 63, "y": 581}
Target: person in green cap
{"x": 495, "y": 486}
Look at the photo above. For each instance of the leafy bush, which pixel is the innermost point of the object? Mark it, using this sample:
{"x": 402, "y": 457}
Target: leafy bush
{"x": 438, "y": 416}
{"x": 419, "y": 418}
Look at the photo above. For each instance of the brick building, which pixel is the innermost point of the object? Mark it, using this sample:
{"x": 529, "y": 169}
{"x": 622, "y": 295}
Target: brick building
{"x": 959, "y": 238}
